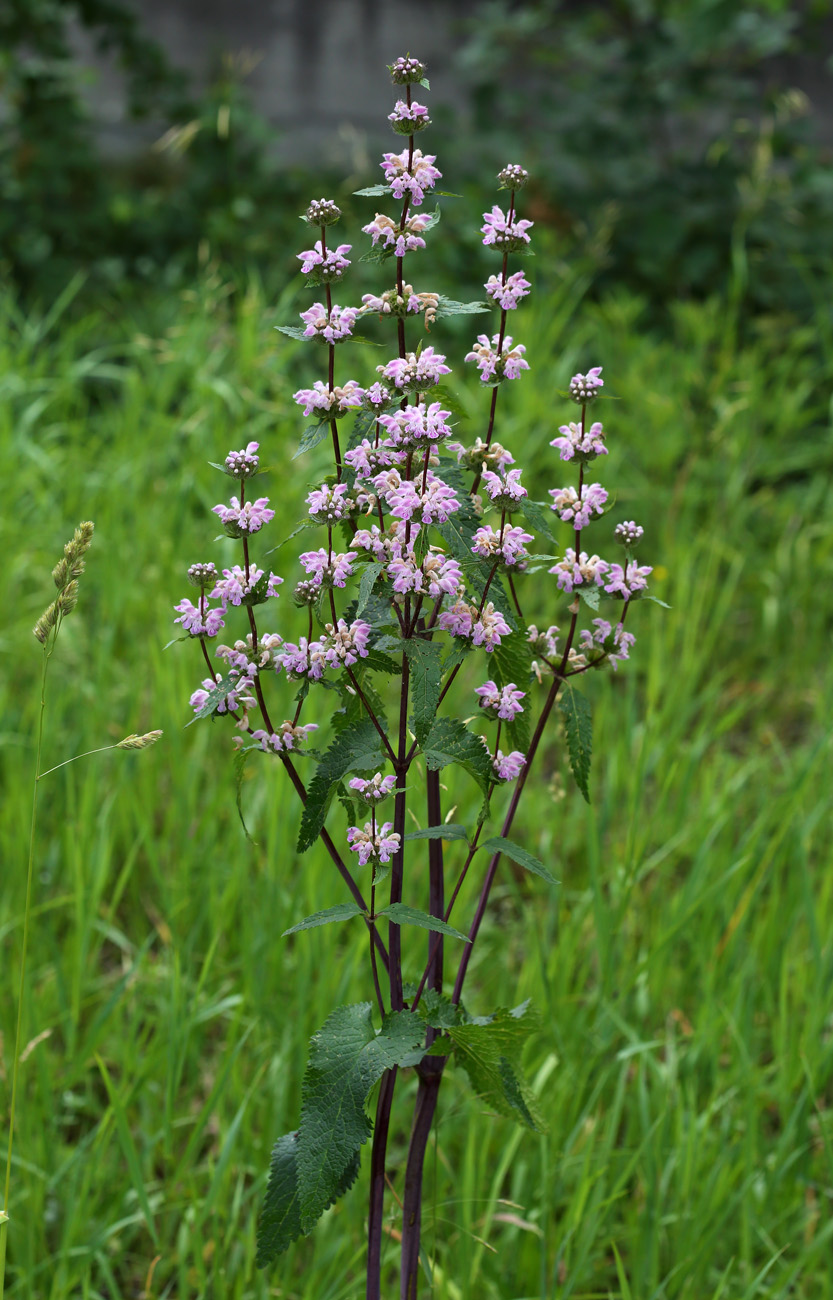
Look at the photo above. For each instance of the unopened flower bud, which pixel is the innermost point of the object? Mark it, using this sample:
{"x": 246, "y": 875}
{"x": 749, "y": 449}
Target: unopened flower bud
{"x": 628, "y": 533}
{"x": 583, "y": 388}
{"x": 406, "y": 69}
{"x": 512, "y": 177}
{"x": 322, "y": 212}
{"x": 306, "y": 593}
{"x": 202, "y": 575}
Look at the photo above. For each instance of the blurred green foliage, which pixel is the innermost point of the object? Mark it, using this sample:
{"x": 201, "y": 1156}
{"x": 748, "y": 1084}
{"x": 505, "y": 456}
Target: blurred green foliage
{"x": 667, "y": 125}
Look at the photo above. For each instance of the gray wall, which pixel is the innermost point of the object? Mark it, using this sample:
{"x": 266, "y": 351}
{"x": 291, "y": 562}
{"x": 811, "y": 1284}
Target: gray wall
{"x": 317, "y": 66}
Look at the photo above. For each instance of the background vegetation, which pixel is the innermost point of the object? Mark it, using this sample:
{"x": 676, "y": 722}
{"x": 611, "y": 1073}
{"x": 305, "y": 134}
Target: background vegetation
{"x": 684, "y": 970}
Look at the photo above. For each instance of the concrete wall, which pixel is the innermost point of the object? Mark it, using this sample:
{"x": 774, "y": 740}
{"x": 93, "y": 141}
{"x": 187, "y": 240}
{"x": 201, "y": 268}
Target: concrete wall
{"x": 317, "y": 66}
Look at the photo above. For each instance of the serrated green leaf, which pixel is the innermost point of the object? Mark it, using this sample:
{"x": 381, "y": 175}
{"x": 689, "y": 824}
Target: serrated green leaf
{"x": 486, "y": 1047}
{"x": 539, "y": 515}
{"x": 512, "y": 661}
{"x": 347, "y": 1057}
{"x": 372, "y": 191}
{"x": 312, "y": 435}
{"x": 292, "y": 331}
{"x": 438, "y": 1011}
{"x": 369, "y": 576}
{"x": 357, "y": 748}
{"x": 449, "y": 741}
{"x": 450, "y": 307}
{"x": 448, "y": 831}
{"x": 402, "y": 915}
{"x": 341, "y": 912}
{"x": 256, "y": 595}
{"x": 579, "y": 729}
{"x": 497, "y": 844}
{"x": 280, "y": 1219}
{"x": 590, "y": 595}
{"x": 425, "y": 679}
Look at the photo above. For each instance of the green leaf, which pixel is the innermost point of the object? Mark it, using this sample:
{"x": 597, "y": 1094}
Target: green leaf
{"x": 539, "y": 515}
{"x": 590, "y": 595}
{"x": 426, "y": 679}
{"x": 656, "y": 600}
{"x": 450, "y": 742}
{"x": 373, "y": 191}
{"x": 402, "y": 915}
{"x": 341, "y": 912}
{"x": 280, "y": 1219}
{"x": 356, "y": 748}
{"x": 486, "y": 1047}
{"x": 292, "y": 331}
{"x": 449, "y": 307}
{"x": 448, "y": 831}
{"x": 347, "y": 1057}
{"x": 579, "y": 728}
{"x": 312, "y": 435}
{"x": 369, "y": 577}
{"x": 497, "y": 844}
{"x": 257, "y": 594}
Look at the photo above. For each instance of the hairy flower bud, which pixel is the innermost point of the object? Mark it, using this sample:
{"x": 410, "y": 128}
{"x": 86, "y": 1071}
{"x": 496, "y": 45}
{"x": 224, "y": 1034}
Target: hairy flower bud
{"x": 202, "y": 575}
{"x": 512, "y": 177}
{"x": 322, "y": 212}
{"x": 306, "y": 593}
{"x": 406, "y": 69}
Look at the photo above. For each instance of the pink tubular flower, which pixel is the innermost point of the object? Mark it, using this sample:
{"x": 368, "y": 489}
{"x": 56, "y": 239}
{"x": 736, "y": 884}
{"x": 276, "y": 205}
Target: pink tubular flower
{"x": 422, "y": 176}
{"x": 329, "y": 503}
{"x": 616, "y": 642}
{"x": 248, "y": 518}
{"x": 325, "y": 265}
{"x": 329, "y": 403}
{"x": 408, "y": 118}
{"x": 508, "y": 295}
{"x": 583, "y": 446}
{"x": 510, "y": 547}
{"x": 508, "y": 767}
{"x": 328, "y": 570}
{"x": 289, "y": 736}
{"x": 494, "y": 365}
{"x": 583, "y": 388}
{"x": 479, "y": 455}
{"x": 374, "y": 790}
{"x": 242, "y": 464}
{"x": 414, "y": 373}
{"x": 435, "y": 505}
{"x": 393, "y": 303}
{"x": 234, "y": 700}
{"x": 346, "y": 644}
{"x": 387, "y": 233}
{"x": 575, "y": 571}
{"x": 505, "y": 492}
{"x": 417, "y": 424}
{"x": 499, "y": 233}
{"x": 500, "y": 701}
{"x": 199, "y": 620}
{"x": 333, "y": 326}
{"x": 378, "y": 848}
{"x": 576, "y": 510}
{"x": 376, "y": 398}
{"x": 234, "y": 585}
{"x": 484, "y": 629}
{"x": 438, "y": 575}
{"x": 628, "y": 582}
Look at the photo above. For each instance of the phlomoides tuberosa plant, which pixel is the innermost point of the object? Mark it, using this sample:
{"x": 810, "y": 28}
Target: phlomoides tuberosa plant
{"x": 420, "y": 558}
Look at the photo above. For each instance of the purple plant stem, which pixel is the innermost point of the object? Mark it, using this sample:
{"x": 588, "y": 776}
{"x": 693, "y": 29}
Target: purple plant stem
{"x": 377, "y": 1185}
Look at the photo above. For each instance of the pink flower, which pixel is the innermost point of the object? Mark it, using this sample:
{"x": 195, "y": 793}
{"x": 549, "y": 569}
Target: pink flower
{"x": 408, "y": 118}
{"x": 574, "y": 571}
{"x": 328, "y": 570}
{"x": 378, "y": 848}
{"x": 242, "y": 464}
{"x": 505, "y": 491}
{"x": 501, "y": 701}
{"x": 289, "y": 736}
{"x": 248, "y": 518}
{"x": 583, "y": 446}
{"x": 576, "y": 510}
{"x": 508, "y": 295}
{"x": 506, "y": 364}
{"x": 508, "y": 767}
{"x": 616, "y": 642}
{"x": 500, "y": 233}
{"x": 332, "y": 327}
{"x": 329, "y": 403}
{"x": 510, "y": 546}
{"x": 374, "y": 790}
{"x": 628, "y": 582}
{"x": 583, "y": 388}
{"x": 199, "y": 620}
{"x": 415, "y": 373}
{"x": 422, "y": 176}
{"x": 234, "y": 585}
{"x": 329, "y": 503}
{"x": 325, "y": 265}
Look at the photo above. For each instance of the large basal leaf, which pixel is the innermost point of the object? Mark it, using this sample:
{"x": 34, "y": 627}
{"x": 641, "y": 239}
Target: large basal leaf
{"x": 579, "y": 728}
{"x": 425, "y": 680}
{"x": 488, "y": 1048}
{"x": 280, "y": 1219}
{"x": 356, "y": 748}
{"x": 450, "y": 742}
{"x": 497, "y": 844}
{"x": 347, "y": 1057}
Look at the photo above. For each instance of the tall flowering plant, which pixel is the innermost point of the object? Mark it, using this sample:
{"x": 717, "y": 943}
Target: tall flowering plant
{"x": 418, "y": 569}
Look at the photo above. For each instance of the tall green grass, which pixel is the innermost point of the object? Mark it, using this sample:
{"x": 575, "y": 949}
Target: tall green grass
{"x": 684, "y": 968}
